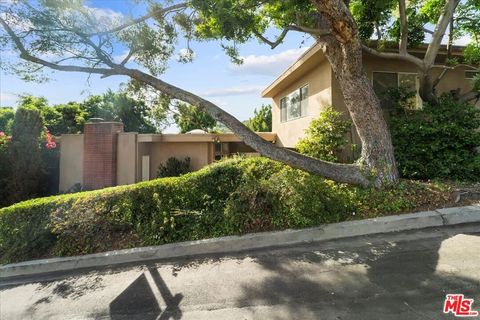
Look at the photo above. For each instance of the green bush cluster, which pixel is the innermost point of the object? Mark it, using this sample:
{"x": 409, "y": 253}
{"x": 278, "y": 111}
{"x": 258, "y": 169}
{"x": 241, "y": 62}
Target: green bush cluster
{"x": 233, "y": 196}
{"x": 438, "y": 141}
{"x": 326, "y": 136}
{"x": 174, "y": 167}
{"x": 29, "y": 164}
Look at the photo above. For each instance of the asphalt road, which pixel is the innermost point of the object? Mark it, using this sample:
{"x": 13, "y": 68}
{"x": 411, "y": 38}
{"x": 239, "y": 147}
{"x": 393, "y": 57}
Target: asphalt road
{"x": 396, "y": 276}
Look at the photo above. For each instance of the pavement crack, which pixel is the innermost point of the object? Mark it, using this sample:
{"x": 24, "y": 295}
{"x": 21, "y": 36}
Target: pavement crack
{"x": 444, "y": 220}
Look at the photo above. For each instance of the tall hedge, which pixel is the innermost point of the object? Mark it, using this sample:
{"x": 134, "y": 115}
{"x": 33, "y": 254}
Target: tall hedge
{"x": 27, "y": 164}
{"x": 231, "y": 197}
{"x": 438, "y": 141}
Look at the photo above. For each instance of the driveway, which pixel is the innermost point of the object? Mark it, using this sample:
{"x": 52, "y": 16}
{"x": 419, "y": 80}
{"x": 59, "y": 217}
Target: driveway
{"x": 402, "y": 275}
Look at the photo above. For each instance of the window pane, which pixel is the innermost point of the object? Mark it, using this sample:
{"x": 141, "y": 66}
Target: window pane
{"x": 304, "y": 102}
{"x": 283, "y": 109}
{"x": 294, "y": 107}
{"x": 382, "y": 81}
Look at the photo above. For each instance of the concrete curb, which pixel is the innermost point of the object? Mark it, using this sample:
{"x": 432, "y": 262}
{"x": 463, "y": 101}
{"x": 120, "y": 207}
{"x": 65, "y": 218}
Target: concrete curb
{"x": 412, "y": 221}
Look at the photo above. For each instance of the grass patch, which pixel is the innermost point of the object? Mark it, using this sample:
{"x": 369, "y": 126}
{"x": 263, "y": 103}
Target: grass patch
{"x": 234, "y": 196}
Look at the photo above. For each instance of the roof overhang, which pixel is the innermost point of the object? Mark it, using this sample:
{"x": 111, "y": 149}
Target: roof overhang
{"x": 306, "y": 62}
{"x": 314, "y": 56}
{"x": 209, "y": 137}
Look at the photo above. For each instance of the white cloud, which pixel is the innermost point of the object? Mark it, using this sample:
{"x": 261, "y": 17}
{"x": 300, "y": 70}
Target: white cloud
{"x": 270, "y": 65}
{"x": 102, "y": 14}
{"x": 233, "y": 91}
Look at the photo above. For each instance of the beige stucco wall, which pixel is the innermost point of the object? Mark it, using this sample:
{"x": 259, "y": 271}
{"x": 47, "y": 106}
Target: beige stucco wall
{"x": 452, "y": 80}
{"x": 198, "y": 152}
{"x": 71, "y": 161}
{"x": 126, "y": 158}
{"x": 319, "y": 86}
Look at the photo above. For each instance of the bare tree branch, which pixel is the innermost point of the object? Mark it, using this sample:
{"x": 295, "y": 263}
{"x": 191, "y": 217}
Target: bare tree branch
{"x": 440, "y": 77}
{"x": 394, "y": 55}
{"x": 281, "y": 37}
{"x": 158, "y": 12}
{"x": 127, "y": 58}
{"x": 24, "y": 54}
{"x": 448, "y": 68}
{"x": 403, "y": 27}
{"x": 439, "y": 32}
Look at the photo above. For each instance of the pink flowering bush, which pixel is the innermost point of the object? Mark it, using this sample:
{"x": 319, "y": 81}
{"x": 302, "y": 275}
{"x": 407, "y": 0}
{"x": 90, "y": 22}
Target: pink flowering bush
{"x": 50, "y": 143}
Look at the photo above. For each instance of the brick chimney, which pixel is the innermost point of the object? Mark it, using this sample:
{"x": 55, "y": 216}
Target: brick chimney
{"x": 100, "y": 153}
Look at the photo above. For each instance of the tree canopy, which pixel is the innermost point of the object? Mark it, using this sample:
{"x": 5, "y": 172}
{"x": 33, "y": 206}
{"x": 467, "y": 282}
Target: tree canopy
{"x": 188, "y": 118}
{"x": 134, "y": 113}
{"x": 382, "y": 24}
{"x": 6, "y": 120}
{"x": 261, "y": 120}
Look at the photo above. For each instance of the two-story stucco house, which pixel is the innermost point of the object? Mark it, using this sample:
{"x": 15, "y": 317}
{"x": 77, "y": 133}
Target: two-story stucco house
{"x": 307, "y": 86}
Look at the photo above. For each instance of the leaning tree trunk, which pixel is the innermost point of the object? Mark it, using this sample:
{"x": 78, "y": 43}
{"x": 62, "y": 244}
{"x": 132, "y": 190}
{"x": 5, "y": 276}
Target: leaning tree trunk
{"x": 344, "y": 52}
{"x": 427, "y": 87}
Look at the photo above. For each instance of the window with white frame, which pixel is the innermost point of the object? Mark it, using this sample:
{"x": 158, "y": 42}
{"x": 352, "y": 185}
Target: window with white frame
{"x": 383, "y": 81}
{"x": 294, "y": 105}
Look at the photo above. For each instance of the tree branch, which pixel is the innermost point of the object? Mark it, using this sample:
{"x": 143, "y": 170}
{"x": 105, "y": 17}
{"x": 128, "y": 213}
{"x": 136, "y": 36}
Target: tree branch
{"x": 440, "y": 77}
{"x": 127, "y": 58}
{"x": 343, "y": 173}
{"x": 281, "y": 37}
{"x": 403, "y": 27}
{"x": 24, "y": 54}
{"x": 394, "y": 55}
{"x": 347, "y": 173}
{"x": 132, "y": 22}
{"x": 439, "y": 32}
{"x": 447, "y": 68}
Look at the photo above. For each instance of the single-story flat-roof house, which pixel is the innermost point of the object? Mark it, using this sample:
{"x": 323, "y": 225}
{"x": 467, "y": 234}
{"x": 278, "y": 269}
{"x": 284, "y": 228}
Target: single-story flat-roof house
{"x": 105, "y": 156}
{"x": 305, "y": 88}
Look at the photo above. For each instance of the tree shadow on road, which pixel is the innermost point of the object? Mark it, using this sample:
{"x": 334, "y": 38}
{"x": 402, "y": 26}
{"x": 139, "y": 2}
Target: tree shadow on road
{"x": 379, "y": 279}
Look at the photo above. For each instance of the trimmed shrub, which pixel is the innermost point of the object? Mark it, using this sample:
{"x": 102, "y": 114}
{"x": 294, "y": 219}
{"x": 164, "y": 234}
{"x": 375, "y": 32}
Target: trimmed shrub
{"x": 289, "y": 198}
{"x": 233, "y": 196}
{"x": 438, "y": 141}
{"x": 5, "y": 168}
{"x": 326, "y": 136}
{"x": 173, "y": 168}
{"x": 27, "y": 164}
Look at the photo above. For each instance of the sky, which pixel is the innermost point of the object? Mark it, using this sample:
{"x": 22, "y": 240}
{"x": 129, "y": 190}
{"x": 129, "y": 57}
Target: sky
{"x": 237, "y": 89}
